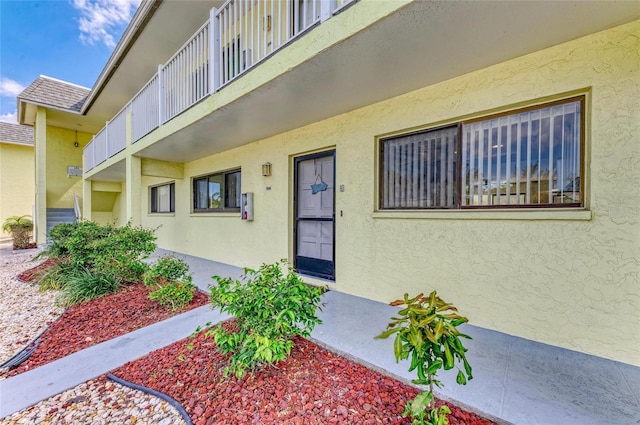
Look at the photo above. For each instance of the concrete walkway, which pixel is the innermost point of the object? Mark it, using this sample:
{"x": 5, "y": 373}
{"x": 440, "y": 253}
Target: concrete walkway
{"x": 515, "y": 380}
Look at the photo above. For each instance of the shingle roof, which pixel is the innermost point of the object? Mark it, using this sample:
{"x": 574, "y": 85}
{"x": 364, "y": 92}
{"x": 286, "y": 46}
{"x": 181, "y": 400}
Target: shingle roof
{"x": 16, "y": 133}
{"x": 51, "y": 92}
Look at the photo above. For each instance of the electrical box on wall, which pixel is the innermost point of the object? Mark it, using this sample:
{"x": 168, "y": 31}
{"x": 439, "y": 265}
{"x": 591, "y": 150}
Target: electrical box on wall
{"x": 246, "y": 206}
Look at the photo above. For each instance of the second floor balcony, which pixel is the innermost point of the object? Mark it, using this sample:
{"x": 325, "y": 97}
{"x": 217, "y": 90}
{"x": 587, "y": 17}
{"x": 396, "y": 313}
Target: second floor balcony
{"x": 236, "y": 38}
{"x": 255, "y": 68}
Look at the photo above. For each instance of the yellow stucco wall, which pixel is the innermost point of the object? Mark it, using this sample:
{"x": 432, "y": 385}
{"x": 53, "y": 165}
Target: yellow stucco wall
{"x": 569, "y": 279}
{"x": 60, "y": 153}
{"x": 17, "y": 182}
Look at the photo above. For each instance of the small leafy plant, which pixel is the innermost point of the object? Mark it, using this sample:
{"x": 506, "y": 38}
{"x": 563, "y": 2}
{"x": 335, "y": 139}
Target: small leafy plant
{"x": 20, "y": 228}
{"x": 271, "y": 308}
{"x": 426, "y": 332}
{"x": 174, "y": 285}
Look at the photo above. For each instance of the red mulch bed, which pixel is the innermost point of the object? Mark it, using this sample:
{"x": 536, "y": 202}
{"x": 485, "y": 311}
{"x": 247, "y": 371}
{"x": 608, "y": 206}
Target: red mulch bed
{"x": 313, "y": 386}
{"x": 31, "y": 274}
{"x": 101, "y": 319}
{"x": 32, "y": 245}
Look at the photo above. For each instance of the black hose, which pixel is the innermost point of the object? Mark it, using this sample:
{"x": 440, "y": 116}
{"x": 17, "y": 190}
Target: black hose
{"x": 163, "y": 396}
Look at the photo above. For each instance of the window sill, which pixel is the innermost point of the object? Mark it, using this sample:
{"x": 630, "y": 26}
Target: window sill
{"x": 315, "y": 280}
{"x": 161, "y": 214}
{"x": 216, "y": 214}
{"x": 581, "y": 214}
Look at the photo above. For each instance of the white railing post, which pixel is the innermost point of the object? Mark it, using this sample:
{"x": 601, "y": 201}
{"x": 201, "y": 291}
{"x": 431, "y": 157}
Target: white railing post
{"x": 214, "y": 51}
{"x": 93, "y": 151}
{"x": 160, "y": 96}
{"x": 326, "y": 9}
{"x": 106, "y": 138}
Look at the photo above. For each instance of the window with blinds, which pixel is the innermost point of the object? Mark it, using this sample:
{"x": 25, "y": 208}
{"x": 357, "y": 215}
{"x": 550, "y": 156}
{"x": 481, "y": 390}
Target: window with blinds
{"x": 419, "y": 170}
{"x": 526, "y": 158}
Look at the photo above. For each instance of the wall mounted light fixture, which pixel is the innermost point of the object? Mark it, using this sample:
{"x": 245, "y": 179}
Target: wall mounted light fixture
{"x": 266, "y": 169}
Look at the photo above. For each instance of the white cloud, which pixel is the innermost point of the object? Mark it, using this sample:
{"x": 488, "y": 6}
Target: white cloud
{"x": 11, "y": 117}
{"x": 10, "y": 88}
{"x": 99, "y": 18}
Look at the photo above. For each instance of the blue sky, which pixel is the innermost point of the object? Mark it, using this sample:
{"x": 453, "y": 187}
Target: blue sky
{"x": 70, "y": 40}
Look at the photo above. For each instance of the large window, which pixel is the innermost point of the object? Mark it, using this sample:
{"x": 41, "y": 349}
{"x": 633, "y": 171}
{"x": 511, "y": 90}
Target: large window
{"x": 217, "y": 192}
{"x": 163, "y": 198}
{"x": 527, "y": 158}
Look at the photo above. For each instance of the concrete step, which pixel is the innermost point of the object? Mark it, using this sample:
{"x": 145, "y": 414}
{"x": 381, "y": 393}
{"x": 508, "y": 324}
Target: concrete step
{"x": 60, "y": 212}
{"x": 57, "y": 216}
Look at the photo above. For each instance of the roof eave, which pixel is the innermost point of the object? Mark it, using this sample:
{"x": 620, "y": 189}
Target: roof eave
{"x": 24, "y": 103}
{"x": 27, "y": 145}
{"x": 140, "y": 19}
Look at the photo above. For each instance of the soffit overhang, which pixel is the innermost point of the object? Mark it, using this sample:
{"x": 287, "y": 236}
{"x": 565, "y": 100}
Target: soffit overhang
{"x": 424, "y": 43}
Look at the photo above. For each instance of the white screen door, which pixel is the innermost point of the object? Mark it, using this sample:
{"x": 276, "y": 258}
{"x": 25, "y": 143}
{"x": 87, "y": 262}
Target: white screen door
{"x": 315, "y": 215}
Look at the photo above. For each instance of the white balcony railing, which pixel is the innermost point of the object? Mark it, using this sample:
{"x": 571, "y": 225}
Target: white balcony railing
{"x": 100, "y": 150}
{"x": 185, "y": 77}
{"x": 236, "y": 38}
{"x": 87, "y": 153}
{"x": 251, "y": 31}
{"x": 145, "y": 108}
{"x": 117, "y": 132}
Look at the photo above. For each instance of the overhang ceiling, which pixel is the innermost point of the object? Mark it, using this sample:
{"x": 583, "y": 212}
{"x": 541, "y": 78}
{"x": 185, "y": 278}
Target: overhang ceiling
{"x": 421, "y": 44}
{"x": 172, "y": 24}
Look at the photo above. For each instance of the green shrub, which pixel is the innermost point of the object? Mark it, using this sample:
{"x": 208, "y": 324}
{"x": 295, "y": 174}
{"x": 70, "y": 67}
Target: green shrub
{"x": 169, "y": 269}
{"x": 174, "y": 295}
{"x": 73, "y": 241}
{"x": 170, "y": 276}
{"x": 271, "y": 308}
{"x": 426, "y": 332}
{"x": 106, "y": 252}
{"x": 120, "y": 254}
{"x": 85, "y": 286}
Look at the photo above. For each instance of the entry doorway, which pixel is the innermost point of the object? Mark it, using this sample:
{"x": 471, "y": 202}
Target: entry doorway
{"x": 314, "y": 205}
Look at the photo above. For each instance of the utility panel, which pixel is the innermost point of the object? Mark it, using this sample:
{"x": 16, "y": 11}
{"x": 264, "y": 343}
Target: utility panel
{"x": 246, "y": 206}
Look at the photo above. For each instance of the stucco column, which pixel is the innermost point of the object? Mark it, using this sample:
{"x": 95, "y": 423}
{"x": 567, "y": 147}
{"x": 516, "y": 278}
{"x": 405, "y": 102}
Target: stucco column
{"x": 133, "y": 191}
{"x": 87, "y": 190}
{"x": 40, "y": 133}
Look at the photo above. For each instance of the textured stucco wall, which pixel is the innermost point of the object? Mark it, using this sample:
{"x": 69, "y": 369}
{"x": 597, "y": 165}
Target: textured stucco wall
{"x": 565, "y": 278}
{"x": 17, "y": 182}
{"x": 60, "y": 153}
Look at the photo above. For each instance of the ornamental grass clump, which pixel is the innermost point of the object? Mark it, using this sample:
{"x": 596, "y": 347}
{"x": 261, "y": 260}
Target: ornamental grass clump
{"x": 271, "y": 308}
{"x": 426, "y": 332}
{"x": 170, "y": 278}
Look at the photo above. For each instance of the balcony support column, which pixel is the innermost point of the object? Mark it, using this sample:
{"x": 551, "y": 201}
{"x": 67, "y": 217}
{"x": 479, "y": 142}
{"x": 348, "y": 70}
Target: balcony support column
{"x": 134, "y": 190}
{"x": 87, "y": 190}
{"x": 40, "y": 135}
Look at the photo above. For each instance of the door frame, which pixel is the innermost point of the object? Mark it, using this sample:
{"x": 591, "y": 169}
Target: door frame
{"x": 296, "y": 220}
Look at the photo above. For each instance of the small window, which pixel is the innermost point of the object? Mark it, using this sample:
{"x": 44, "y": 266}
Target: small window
{"x": 527, "y": 158}
{"x": 163, "y": 198}
{"x": 217, "y": 192}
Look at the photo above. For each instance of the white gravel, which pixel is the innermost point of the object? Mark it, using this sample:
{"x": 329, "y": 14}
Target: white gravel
{"x": 25, "y": 313}
{"x": 24, "y": 310}
{"x": 99, "y": 402}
